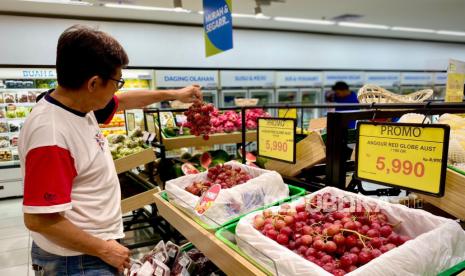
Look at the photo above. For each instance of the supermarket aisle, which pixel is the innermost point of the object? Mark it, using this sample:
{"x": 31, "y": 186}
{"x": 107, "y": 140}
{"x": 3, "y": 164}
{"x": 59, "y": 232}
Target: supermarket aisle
{"x": 14, "y": 240}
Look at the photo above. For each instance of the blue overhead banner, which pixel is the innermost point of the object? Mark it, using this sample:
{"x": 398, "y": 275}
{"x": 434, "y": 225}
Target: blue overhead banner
{"x": 217, "y": 24}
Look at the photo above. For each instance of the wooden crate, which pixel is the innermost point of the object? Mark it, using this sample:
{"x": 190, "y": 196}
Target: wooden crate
{"x": 310, "y": 151}
{"x": 219, "y": 253}
{"x": 453, "y": 200}
{"x": 198, "y": 141}
{"x": 134, "y": 160}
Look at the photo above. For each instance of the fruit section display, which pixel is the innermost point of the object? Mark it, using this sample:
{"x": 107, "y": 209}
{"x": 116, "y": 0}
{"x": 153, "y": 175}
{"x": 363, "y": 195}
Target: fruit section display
{"x": 170, "y": 259}
{"x": 224, "y": 175}
{"x": 17, "y": 97}
{"x": 337, "y": 241}
{"x": 123, "y": 145}
{"x": 337, "y": 232}
{"x": 244, "y": 188}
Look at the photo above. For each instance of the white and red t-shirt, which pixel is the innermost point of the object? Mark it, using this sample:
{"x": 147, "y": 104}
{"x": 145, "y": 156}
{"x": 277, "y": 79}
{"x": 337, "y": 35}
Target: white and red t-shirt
{"x": 67, "y": 168}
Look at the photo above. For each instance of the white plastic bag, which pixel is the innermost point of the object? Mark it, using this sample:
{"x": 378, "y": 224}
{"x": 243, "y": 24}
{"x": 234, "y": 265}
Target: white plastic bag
{"x": 438, "y": 244}
{"x": 264, "y": 188}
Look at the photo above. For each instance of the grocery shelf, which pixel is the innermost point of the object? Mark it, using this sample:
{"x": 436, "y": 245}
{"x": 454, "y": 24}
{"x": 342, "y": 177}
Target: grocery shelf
{"x": 9, "y": 163}
{"x": 113, "y": 128}
{"x": 219, "y": 253}
{"x": 17, "y": 104}
{"x": 134, "y": 160}
{"x": 198, "y": 141}
{"x": 134, "y": 89}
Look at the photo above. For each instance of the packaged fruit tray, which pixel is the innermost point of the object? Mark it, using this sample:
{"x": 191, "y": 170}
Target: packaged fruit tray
{"x": 294, "y": 192}
{"x": 333, "y": 232}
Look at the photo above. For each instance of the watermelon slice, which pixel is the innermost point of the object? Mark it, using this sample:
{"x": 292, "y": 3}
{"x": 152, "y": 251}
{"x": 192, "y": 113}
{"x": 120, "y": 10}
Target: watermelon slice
{"x": 205, "y": 160}
{"x": 188, "y": 168}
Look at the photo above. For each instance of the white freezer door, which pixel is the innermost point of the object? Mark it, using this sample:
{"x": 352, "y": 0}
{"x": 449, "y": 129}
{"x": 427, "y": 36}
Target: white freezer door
{"x": 287, "y": 95}
{"x": 264, "y": 96}
{"x": 228, "y": 96}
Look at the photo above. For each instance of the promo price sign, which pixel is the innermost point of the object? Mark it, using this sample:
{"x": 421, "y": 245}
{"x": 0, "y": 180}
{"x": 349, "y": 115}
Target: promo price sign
{"x": 287, "y": 113}
{"x": 408, "y": 156}
{"x": 276, "y": 139}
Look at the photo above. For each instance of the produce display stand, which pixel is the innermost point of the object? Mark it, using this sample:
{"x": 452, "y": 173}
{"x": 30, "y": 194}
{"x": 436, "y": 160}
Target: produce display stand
{"x": 227, "y": 259}
{"x": 453, "y": 200}
{"x": 134, "y": 160}
{"x": 215, "y": 139}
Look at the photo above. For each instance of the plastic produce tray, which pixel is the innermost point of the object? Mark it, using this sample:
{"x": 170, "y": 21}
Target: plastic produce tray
{"x": 458, "y": 269}
{"x": 294, "y": 192}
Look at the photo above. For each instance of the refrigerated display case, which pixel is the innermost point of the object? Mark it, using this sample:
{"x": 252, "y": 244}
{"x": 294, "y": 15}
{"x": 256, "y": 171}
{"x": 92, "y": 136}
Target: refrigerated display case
{"x": 287, "y": 95}
{"x": 264, "y": 96}
{"x": 440, "y": 80}
{"x": 414, "y": 81}
{"x": 387, "y": 80}
{"x": 135, "y": 79}
{"x": 19, "y": 88}
{"x": 228, "y": 96}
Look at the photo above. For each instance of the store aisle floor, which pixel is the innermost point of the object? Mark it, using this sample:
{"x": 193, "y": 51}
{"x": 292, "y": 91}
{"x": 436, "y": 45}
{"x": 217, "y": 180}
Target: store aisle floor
{"x": 15, "y": 240}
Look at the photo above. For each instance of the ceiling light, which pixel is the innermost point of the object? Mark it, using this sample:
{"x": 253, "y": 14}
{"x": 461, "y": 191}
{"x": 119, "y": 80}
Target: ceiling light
{"x": 67, "y": 2}
{"x": 147, "y": 8}
{"x": 243, "y": 15}
{"x": 363, "y": 25}
{"x": 306, "y": 21}
{"x": 415, "y": 30}
{"x": 442, "y": 32}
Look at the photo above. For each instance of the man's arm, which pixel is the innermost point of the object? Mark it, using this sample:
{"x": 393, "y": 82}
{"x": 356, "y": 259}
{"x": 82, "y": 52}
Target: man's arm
{"x": 61, "y": 231}
{"x": 142, "y": 98}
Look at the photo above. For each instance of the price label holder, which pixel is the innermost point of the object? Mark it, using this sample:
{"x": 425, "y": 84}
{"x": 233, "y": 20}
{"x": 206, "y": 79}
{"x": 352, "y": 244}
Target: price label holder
{"x": 287, "y": 113}
{"x": 276, "y": 139}
{"x": 407, "y": 156}
{"x": 207, "y": 199}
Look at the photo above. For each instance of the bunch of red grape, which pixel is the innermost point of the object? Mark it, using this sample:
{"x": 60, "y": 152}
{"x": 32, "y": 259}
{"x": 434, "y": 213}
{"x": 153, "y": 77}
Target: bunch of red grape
{"x": 225, "y": 175}
{"x": 334, "y": 238}
{"x": 198, "y": 118}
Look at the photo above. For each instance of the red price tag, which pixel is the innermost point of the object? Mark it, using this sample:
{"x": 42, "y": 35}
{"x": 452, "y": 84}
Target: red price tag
{"x": 207, "y": 199}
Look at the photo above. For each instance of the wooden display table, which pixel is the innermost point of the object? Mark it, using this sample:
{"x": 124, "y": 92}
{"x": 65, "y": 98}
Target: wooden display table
{"x": 219, "y": 253}
{"x": 198, "y": 141}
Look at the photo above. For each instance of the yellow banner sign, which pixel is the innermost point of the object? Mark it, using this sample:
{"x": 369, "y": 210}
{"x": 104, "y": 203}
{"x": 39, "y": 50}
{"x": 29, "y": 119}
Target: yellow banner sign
{"x": 287, "y": 113}
{"x": 276, "y": 139}
{"x": 409, "y": 156}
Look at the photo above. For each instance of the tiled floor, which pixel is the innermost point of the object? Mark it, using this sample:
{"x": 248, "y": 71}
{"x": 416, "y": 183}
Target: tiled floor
{"x": 14, "y": 240}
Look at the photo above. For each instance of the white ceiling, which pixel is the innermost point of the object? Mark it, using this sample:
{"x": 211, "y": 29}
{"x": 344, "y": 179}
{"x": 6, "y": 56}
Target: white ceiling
{"x": 431, "y": 14}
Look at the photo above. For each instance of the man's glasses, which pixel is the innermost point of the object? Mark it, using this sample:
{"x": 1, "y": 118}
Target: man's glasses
{"x": 120, "y": 82}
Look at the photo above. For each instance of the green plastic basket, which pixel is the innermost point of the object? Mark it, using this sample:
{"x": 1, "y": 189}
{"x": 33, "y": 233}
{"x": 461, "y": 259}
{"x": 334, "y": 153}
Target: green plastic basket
{"x": 222, "y": 234}
{"x": 455, "y": 169}
{"x": 455, "y": 270}
{"x": 294, "y": 192}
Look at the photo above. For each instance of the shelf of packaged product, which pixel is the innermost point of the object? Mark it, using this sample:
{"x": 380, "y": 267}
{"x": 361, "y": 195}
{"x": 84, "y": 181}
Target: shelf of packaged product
{"x": 218, "y": 252}
{"x": 9, "y": 163}
{"x": 214, "y": 139}
{"x": 134, "y": 160}
{"x": 452, "y": 201}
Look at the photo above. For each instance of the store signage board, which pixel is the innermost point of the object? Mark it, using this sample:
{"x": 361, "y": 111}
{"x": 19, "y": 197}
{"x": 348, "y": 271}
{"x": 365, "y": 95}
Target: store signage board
{"x": 351, "y": 78}
{"x": 137, "y": 74}
{"x": 247, "y": 78}
{"x": 28, "y": 73}
{"x": 408, "y": 156}
{"x": 217, "y": 24}
{"x": 416, "y": 78}
{"x": 180, "y": 78}
{"x": 276, "y": 139}
{"x": 455, "y": 81}
{"x": 440, "y": 78}
{"x": 298, "y": 79}
{"x": 386, "y": 79}
{"x": 287, "y": 113}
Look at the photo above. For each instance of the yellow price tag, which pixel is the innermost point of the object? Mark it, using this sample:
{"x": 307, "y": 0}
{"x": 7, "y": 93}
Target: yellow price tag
{"x": 276, "y": 139}
{"x": 454, "y": 87}
{"x": 287, "y": 113}
{"x": 409, "y": 156}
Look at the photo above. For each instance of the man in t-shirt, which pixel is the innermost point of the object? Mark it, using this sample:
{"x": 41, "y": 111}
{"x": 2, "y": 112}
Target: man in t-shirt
{"x": 341, "y": 94}
{"x": 71, "y": 190}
